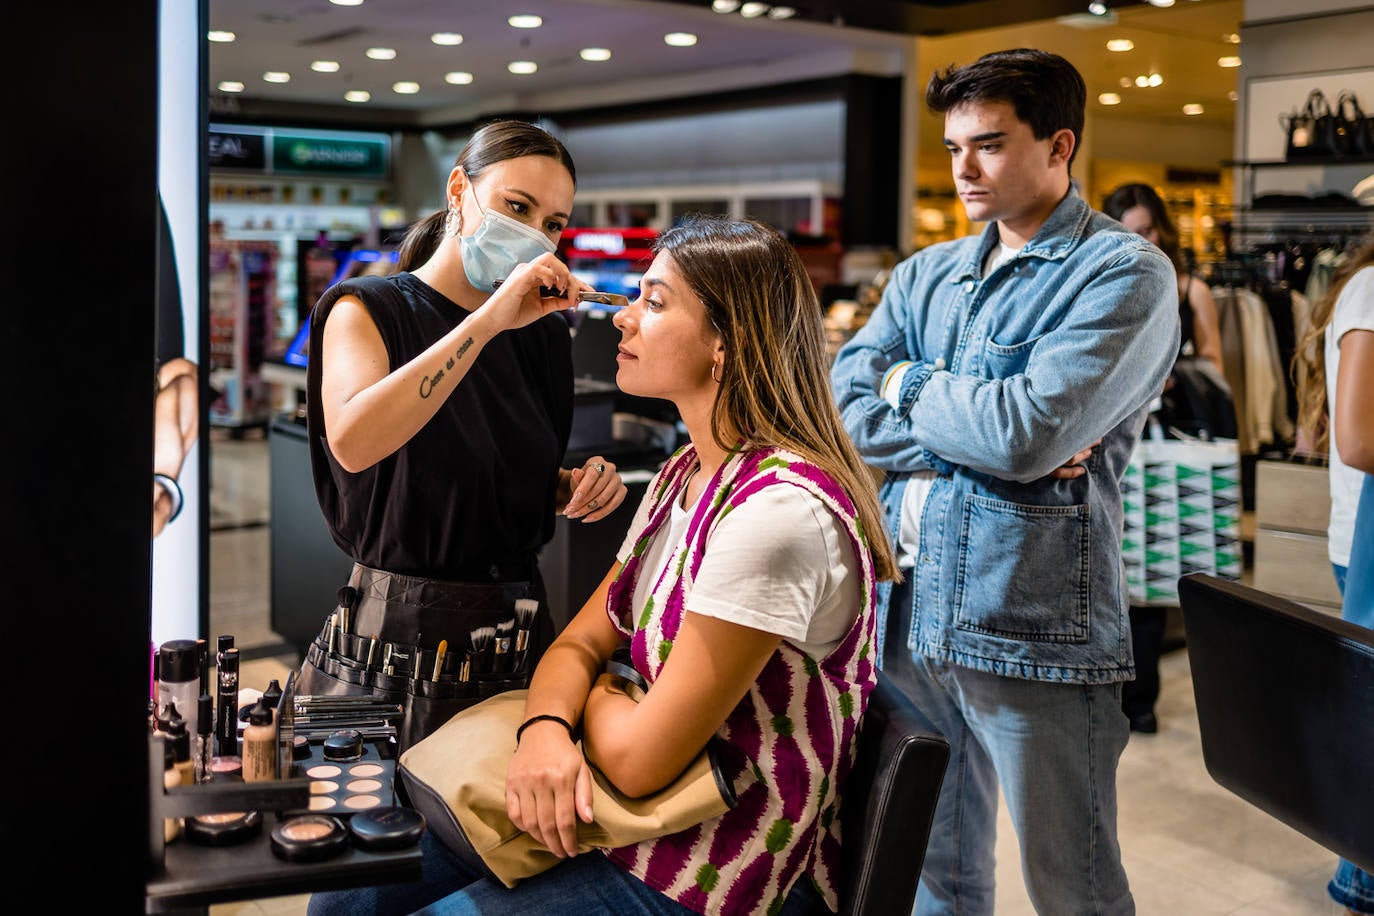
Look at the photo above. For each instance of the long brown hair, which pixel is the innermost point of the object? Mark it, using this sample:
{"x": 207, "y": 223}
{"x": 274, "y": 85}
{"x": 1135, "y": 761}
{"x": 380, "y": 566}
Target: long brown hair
{"x": 1309, "y": 359}
{"x": 494, "y": 142}
{"x": 1142, "y": 195}
{"x": 775, "y": 383}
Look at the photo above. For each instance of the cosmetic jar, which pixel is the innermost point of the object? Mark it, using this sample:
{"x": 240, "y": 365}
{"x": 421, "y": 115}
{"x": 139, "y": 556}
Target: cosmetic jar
{"x": 224, "y": 829}
{"x": 390, "y": 827}
{"x": 344, "y": 744}
{"x": 309, "y": 838}
{"x": 300, "y": 747}
{"x": 225, "y": 768}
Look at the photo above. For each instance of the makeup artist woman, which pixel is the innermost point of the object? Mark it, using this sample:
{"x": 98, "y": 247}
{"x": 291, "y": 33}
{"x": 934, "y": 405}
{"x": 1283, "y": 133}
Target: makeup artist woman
{"x": 438, "y": 416}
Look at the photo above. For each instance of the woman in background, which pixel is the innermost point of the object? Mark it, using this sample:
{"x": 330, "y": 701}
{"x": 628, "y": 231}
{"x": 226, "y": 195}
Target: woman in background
{"x": 1334, "y": 370}
{"x": 1142, "y": 211}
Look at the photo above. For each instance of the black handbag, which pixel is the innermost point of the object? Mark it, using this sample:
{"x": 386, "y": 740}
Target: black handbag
{"x": 1354, "y": 129}
{"x": 1312, "y": 129}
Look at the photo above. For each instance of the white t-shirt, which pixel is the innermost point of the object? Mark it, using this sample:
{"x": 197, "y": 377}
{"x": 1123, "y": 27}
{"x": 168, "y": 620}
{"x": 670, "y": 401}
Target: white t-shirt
{"x": 1354, "y": 310}
{"x": 780, "y": 562}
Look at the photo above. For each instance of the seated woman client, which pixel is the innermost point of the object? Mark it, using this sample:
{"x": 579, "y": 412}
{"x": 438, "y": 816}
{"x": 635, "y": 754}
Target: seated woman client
{"x": 745, "y": 592}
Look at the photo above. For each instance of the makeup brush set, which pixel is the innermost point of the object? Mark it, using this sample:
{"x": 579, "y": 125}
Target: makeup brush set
{"x": 486, "y": 659}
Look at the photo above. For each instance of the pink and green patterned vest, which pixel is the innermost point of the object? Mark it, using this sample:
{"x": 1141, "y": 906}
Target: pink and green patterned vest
{"x": 789, "y": 743}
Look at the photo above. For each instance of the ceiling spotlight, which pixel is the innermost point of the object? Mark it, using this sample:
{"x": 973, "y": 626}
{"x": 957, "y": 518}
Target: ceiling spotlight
{"x": 1231, "y": 38}
{"x": 220, "y": 35}
{"x": 1193, "y": 108}
{"x": 230, "y": 86}
{"x": 1229, "y": 62}
{"x": 724, "y": 6}
{"x": 1120, "y": 44}
{"x": 447, "y": 39}
{"x": 680, "y": 39}
{"x": 382, "y": 53}
{"x": 1162, "y": 4}
{"x": 1097, "y": 8}
{"x": 1126, "y": 82}
{"x": 405, "y": 87}
{"x": 595, "y": 54}
{"x": 458, "y": 78}
{"x": 357, "y": 95}
{"x": 523, "y": 67}
{"x": 347, "y": 2}
{"x": 781, "y": 12}
{"x": 1109, "y": 98}
{"x": 276, "y": 76}
{"x": 1155, "y": 80}
{"x": 752, "y": 10}
{"x": 1142, "y": 81}
{"x": 1233, "y": 95}
{"x": 524, "y": 22}
{"x": 325, "y": 66}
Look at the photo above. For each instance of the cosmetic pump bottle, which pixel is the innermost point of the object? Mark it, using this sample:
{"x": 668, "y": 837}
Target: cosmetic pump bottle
{"x": 227, "y": 694}
{"x": 272, "y": 694}
{"x": 179, "y": 677}
{"x": 260, "y": 744}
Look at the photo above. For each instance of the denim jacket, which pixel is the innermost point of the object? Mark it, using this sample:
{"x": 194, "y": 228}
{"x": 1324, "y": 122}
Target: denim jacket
{"x": 1018, "y": 574}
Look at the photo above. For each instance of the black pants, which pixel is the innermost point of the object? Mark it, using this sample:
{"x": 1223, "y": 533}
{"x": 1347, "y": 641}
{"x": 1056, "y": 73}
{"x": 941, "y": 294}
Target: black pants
{"x": 1147, "y": 638}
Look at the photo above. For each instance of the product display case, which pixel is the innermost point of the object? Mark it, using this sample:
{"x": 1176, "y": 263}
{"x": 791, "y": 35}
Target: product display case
{"x": 241, "y": 329}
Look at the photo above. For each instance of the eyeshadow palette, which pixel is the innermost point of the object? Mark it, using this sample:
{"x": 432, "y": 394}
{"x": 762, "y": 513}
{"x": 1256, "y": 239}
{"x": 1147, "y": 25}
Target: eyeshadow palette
{"x": 348, "y": 776}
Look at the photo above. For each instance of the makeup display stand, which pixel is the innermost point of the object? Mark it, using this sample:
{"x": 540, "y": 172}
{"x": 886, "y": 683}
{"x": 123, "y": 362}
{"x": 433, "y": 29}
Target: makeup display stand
{"x": 185, "y": 877}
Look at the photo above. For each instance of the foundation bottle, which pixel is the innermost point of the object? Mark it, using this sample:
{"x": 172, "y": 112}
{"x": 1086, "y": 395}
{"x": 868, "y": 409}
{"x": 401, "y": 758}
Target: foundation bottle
{"x": 259, "y": 744}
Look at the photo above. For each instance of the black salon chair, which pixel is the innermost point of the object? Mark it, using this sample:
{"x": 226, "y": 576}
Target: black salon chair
{"x": 889, "y": 804}
{"x": 1284, "y": 698}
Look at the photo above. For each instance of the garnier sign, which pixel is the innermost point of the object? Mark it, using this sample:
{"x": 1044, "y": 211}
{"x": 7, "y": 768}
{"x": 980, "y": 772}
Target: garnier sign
{"x": 272, "y": 151}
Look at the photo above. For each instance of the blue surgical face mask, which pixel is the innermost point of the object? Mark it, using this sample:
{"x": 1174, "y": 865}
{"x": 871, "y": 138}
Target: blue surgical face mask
{"x": 497, "y": 246}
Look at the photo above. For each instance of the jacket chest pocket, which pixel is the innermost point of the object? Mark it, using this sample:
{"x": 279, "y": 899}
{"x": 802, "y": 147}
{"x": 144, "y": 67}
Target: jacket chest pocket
{"x": 1023, "y": 571}
{"x": 1003, "y": 361}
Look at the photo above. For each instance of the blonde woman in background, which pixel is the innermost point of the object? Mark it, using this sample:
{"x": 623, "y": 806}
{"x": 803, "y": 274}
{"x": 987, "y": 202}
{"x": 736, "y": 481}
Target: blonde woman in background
{"x": 1334, "y": 370}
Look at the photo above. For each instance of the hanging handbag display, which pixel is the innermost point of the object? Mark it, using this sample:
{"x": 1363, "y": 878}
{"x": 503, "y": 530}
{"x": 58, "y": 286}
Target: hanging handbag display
{"x": 1354, "y": 129}
{"x": 456, "y": 778}
{"x": 1311, "y": 129}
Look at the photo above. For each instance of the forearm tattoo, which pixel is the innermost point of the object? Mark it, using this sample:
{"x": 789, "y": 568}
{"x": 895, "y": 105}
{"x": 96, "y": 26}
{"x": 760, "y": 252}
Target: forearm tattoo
{"x": 429, "y": 383}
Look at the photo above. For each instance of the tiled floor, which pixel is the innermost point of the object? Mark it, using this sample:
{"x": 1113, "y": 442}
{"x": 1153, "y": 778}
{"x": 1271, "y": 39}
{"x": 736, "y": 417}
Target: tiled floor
{"x": 1191, "y": 848}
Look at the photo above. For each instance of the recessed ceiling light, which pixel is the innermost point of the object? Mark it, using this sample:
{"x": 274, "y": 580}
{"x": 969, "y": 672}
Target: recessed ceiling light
{"x": 1233, "y": 95}
{"x": 1097, "y": 8}
{"x": 751, "y": 10}
{"x": 1162, "y": 4}
{"x": 1228, "y": 62}
{"x": 522, "y": 66}
{"x": 347, "y": 2}
{"x": 594, "y": 54}
{"x": 1126, "y": 82}
{"x": 447, "y": 39}
{"x": 220, "y": 35}
{"x": 458, "y": 78}
{"x": 1120, "y": 44}
{"x": 382, "y": 53}
{"x": 1142, "y": 81}
{"x": 325, "y": 66}
{"x": 781, "y": 12}
{"x": 1231, "y": 38}
{"x": 230, "y": 86}
{"x": 405, "y": 87}
{"x": 277, "y": 76}
{"x": 357, "y": 95}
{"x": 524, "y": 22}
{"x": 680, "y": 39}
{"x": 724, "y": 6}
{"x": 1193, "y": 108}
{"x": 1155, "y": 80}
{"x": 1109, "y": 98}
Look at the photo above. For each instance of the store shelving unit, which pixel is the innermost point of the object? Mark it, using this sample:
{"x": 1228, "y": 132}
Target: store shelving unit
{"x": 1291, "y": 180}
{"x": 241, "y": 307}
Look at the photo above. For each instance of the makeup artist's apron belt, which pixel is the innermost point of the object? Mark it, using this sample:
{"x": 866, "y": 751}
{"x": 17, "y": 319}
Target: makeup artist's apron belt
{"x": 427, "y": 644}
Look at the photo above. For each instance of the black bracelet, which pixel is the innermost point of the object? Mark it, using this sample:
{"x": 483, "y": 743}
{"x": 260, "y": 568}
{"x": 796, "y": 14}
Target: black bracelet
{"x": 545, "y": 718}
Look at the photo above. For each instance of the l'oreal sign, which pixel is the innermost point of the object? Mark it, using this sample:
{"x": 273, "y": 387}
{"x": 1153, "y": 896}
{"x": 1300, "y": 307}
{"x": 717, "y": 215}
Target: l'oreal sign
{"x": 299, "y": 152}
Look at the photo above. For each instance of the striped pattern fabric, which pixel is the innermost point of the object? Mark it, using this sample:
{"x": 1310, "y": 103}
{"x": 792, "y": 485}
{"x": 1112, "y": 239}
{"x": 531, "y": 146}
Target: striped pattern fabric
{"x": 790, "y": 742}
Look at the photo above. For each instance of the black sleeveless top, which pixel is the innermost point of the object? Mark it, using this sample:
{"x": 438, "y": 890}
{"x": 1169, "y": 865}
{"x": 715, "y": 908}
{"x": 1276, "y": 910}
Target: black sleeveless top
{"x": 471, "y": 496}
{"x": 1186, "y": 344}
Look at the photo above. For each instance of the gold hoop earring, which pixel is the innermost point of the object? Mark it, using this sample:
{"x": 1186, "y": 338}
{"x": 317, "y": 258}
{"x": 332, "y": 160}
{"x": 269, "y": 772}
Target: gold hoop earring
{"x": 714, "y": 367}
{"x": 453, "y": 222}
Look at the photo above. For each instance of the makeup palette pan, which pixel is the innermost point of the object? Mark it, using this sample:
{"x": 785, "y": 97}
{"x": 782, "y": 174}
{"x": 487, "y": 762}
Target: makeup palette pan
{"x": 361, "y": 780}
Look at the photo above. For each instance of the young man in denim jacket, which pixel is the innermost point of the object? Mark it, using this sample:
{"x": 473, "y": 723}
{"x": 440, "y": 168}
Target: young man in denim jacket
{"x": 1001, "y": 385}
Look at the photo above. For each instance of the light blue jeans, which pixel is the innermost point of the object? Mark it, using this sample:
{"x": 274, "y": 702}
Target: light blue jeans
{"x": 1054, "y": 749}
{"x": 586, "y": 885}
